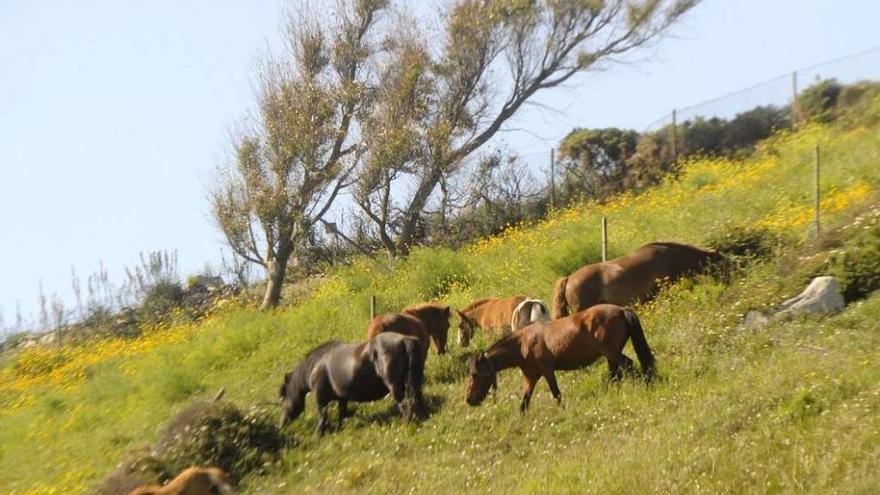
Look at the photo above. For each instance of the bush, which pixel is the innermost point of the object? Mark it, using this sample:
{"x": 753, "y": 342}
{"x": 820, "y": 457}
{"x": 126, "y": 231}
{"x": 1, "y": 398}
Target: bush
{"x": 138, "y": 468}
{"x": 745, "y": 241}
{"x": 857, "y": 267}
{"x": 160, "y": 299}
{"x": 219, "y": 434}
{"x": 430, "y": 273}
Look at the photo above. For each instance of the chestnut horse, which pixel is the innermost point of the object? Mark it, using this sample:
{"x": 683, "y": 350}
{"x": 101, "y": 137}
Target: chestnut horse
{"x": 573, "y": 342}
{"x": 629, "y": 278}
{"x": 427, "y": 322}
{"x": 489, "y": 314}
{"x": 192, "y": 481}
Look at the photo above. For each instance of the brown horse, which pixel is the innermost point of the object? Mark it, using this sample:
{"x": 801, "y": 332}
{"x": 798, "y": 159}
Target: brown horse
{"x": 544, "y": 347}
{"x": 427, "y": 322}
{"x": 629, "y": 278}
{"x": 192, "y": 481}
{"x": 489, "y": 314}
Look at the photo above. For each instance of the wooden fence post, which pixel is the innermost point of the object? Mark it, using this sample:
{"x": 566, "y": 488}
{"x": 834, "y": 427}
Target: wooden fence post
{"x": 552, "y": 178}
{"x": 674, "y": 137}
{"x": 372, "y": 307}
{"x": 604, "y": 239}
{"x": 795, "y": 110}
{"x": 816, "y": 198}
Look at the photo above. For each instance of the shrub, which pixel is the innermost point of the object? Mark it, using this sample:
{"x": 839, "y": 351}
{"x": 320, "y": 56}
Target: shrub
{"x": 219, "y": 434}
{"x": 431, "y": 272}
{"x": 138, "y": 468}
{"x": 857, "y": 267}
{"x": 745, "y": 241}
{"x": 161, "y": 298}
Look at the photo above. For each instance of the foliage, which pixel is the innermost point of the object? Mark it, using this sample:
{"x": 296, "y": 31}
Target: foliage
{"x": 219, "y": 434}
{"x": 290, "y": 165}
{"x": 857, "y": 264}
{"x": 748, "y": 241}
{"x": 442, "y": 104}
{"x": 595, "y": 162}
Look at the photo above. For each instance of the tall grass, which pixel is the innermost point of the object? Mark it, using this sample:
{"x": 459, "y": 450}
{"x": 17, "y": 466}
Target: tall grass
{"x": 791, "y": 408}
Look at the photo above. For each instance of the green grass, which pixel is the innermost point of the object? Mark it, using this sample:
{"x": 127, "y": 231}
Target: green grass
{"x": 794, "y": 407}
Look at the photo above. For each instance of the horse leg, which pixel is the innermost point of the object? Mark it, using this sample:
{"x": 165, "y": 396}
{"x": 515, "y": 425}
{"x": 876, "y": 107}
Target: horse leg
{"x": 554, "y": 387}
{"x": 618, "y": 366}
{"x": 323, "y": 400}
{"x": 323, "y": 418}
{"x": 343, "y": 412}
{"x": 528, "y": 388}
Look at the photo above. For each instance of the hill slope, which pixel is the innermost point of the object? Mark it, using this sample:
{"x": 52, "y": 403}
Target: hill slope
{"x": 792, "y": 407}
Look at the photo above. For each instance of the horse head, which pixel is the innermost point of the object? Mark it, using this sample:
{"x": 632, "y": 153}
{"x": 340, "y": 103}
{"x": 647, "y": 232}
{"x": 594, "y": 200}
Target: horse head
{"x": 466, "y": 328}
{"x": 481, "y": 379}
{"x": 292, "y": 401}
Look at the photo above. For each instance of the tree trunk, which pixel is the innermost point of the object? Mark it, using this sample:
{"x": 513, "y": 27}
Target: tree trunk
{"x": 275, "y": 268}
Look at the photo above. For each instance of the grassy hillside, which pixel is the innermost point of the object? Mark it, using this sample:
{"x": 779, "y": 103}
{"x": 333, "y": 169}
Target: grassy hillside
{"x": 792, "y": 407}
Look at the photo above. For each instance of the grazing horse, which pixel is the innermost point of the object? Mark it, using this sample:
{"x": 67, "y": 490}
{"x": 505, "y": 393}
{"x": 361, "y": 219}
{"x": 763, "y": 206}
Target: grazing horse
{"x": 339, "y": 371}
{"x": 573, "y": 342}
{"x": 528, "y": 311}
{"x": 192, "y": 481}
{"x": 427, "y": 322}
{"x": 489, "y": 314}
{"x": 629, "y": 278}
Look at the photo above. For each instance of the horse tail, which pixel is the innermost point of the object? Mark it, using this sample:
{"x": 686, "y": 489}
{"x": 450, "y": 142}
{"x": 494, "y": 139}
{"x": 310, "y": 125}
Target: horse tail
{"x": 640, "y": 344}
{"x": 560, "y": 304}
{"x": 415, "y": 374}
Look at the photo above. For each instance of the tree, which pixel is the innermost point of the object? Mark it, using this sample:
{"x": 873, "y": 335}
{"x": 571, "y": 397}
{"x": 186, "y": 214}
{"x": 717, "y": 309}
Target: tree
{"x": 594, "y": 160}
{"x": 290, "y": 166}
{"x": 445, "y": 105}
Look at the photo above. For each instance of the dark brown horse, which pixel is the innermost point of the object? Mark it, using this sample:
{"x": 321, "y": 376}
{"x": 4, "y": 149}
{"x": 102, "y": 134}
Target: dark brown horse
{"x": 629, "y": 278}
{"x": 338, "y": 371}
{"x": 491, "y": 313}
{"x": 544, "y": 347}
{"x": 427, "y": 322}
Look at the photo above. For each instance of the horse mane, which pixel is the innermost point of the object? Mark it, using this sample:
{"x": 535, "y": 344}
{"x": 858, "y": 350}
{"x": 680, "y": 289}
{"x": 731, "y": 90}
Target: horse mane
{"x": 299, "y": 377}
{"x": 418, "y": 308}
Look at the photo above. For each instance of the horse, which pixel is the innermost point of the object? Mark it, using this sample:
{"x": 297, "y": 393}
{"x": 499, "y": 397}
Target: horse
{"x": 572, "y": 342}
{"x": 528, "y": 311}
{"x": 361, "y": 372}
{"x": 490, "y": 314}
{"x": 427, "y": 322}
{"x": 191, "y": 481}
{"x": 629, "y": 278}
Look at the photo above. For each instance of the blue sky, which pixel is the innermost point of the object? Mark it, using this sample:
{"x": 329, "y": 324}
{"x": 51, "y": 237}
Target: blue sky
{"x": 114, "y": 114}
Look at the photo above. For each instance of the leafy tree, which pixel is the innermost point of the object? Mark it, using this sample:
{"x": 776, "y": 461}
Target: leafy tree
{"x": 291, "y": 164}
{"x": 817, "y": 102}
{"x": 595, "y": 160}
{"x": 444, "y": 104}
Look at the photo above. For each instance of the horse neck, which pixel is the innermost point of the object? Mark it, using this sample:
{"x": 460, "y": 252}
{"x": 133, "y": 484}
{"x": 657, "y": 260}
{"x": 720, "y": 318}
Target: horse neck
{"x": 299, "y": 386}
{"x": 505, "y": 353}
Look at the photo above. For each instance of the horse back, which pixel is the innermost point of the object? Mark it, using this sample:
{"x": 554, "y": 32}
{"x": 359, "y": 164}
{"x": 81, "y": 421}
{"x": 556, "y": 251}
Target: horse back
{"x": 401, "y": 323}
{"x": 579, "y": 339}
{"x": 497, "y": 313}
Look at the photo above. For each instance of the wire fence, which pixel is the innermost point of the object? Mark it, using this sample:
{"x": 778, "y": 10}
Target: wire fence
{"x": 781, "y": 92}
{"x": 777, "y": 100}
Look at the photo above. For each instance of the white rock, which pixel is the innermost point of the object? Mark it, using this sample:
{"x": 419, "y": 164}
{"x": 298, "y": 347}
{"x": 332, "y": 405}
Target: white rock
{"x": 822, "y": 296}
